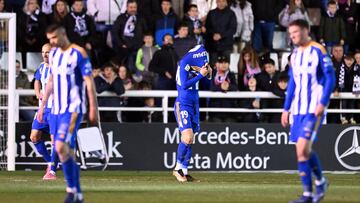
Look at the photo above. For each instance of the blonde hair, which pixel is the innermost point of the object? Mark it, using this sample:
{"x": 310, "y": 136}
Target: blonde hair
{"x": 25, "y": 8}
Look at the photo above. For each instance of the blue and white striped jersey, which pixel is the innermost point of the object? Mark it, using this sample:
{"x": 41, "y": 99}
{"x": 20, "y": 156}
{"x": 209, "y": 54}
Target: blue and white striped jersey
{"x": 312, "y": 79}
{"x": 187, "y": 79}
{"x": 42, "y": 74}
{"x": 68, "y": 69}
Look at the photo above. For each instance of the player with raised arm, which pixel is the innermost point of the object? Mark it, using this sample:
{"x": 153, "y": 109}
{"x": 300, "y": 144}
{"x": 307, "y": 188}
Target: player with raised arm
{"x": 192, "y": 67}
{"x": 311, "y": 83}
{"x": 69, "y": 81}
{"x": 41, "y": 78}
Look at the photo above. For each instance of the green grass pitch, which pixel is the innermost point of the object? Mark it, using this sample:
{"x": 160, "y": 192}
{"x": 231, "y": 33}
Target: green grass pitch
{"x": 126, "y": 186}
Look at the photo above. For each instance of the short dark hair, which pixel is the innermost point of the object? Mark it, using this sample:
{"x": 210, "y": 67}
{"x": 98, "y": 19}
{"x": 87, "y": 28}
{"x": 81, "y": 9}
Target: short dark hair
{"x": 54, "y": 27}
{"x": 268, "y": 61}
{"x": 17, "y": 61}
{"x": 331, "y": 2}
{"x": 166, "y": 1}
{"x": 131, "y": 1}
{"x": 300, "y": 23}
{"x": 107, "y": 65}
{"x": 183, "y": 24}
{"x": 191, "y": 6}
{"x": 149, "y": 33}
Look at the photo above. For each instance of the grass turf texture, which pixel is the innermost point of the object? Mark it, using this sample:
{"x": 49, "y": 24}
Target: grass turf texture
{"x": 123, "y": 186}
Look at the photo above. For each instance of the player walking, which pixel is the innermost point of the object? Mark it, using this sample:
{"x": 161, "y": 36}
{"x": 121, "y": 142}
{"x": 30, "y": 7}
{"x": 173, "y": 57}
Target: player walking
{"x": 192, "y": 67}
{"x": 70, "y": 70}
{"x": 311, "y": 82}
{"x": 41, "y": 78}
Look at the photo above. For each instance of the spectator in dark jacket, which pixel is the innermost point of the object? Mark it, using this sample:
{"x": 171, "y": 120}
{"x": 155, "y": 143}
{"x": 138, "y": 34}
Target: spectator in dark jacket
{"x": 267, "y": 78}
{"x": 196, "y": 27}
{"x": 129, "y": 29}
{"x": 337, "y": 55}
{"x": 60, "y": 11}
{"x": 148, "y": 9}
{"x": 280, "y": 91}
{"x": 164, "y": 63}
{"x": 251, "y": 103}
{"x": 182, "y": 42}
{"x": 31, "y": 28}
{"x": 332, "y": 27}
{"x": 80, "y": 28}
{"x": 223, "y": 81}
{"x": 108, "y": 81}
{"x": 266, "y": 14}
{"x": 350, "y": 13}
{"x": 220, "y": 28}
{"x": 165, "y": 22}
{"x": 344, "y": 83}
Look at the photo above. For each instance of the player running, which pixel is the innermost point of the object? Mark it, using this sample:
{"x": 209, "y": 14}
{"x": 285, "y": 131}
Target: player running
{"x": 70, "y": 70}
{"x": 192, "y": 67}
{"x": 311, "y": 82}
{"x": 41, "y": 78}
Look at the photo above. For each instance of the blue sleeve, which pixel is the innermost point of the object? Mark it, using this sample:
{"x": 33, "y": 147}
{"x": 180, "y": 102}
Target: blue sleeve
{"x": 327, "y": 69}
{"x": 289, "y": 91}
{"x": 84, "y": 65}
{"x": 185, "y": 81}
{"x": 37, "y": 73}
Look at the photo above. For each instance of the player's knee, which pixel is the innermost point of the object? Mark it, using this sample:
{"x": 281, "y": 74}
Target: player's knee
{"x": 63, "y": 150}
{"x": 187, "y": 138}
{"x": 35, "y": 137}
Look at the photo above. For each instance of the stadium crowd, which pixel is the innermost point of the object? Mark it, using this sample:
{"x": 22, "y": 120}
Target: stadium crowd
{"x": 136, "y": 45}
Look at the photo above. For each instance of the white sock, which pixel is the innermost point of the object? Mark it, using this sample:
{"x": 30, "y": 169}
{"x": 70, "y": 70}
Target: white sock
{"x": 178, "y": 166}
{"x": 307, "y": 194}
{"x": 319, "y": 182}
{"x": 80, "y": 196}
{"x": 185, "y": 171}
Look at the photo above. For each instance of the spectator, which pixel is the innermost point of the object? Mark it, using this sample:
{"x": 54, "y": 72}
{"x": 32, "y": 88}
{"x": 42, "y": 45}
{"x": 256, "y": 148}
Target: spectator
{"x": 345, "y": 78}
{"x": 143, "y": 58}
{"x": 60, "y": 11}
{"x": 248, "y": 66}
{"x": 108, "y": 81}
{"x": 251, "y": 103}
{"x": 332, "y": 27}
{"x": 80, "y": 28}
{"x": 22, "y": 82}
{"x": 31, "y": 28}
{"x": 337, "y": 53}
{"x": 182, "y": 42}
{"x": 220, "y": 27}
{"x": 165, "y": 22}
{"x": 196, "y": 27}
{"x": 224, "y": 81}
{"x": 104, "y": 14}
{"x": 204, "y": 7}
{"x": 149, "y": 9}
{"x": 164, "y": 63}
{"x": 267, "y": 78}
{"x": 349, "y": 12}
{"x": 280, "y": 91}
{"x": 125, "y": 77}
{"x": 266, "y": 14}
{"x": 245, "y": 22}
{"x": 293, "y": 11}
{"x": 129, "y": 29}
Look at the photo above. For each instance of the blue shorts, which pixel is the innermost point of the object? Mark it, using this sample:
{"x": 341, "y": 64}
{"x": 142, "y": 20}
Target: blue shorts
{"x": 45, "y": 126}
{"x": 66, "y": 126}
{"x": 305, "y": 126}
{"x": 187, "y": 116}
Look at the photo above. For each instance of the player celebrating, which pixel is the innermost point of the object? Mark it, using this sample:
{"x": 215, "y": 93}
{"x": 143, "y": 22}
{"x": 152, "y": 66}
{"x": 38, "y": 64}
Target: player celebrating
{"x": 192, "y": 67}
{"x": 311, "y": 82}
{"x": 41, "y": 77}
{"x": 70, "y": 74}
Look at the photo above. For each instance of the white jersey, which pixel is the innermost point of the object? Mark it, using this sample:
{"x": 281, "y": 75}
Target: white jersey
{"x": 312, "y": 79}
{"x": 42, "y": 74}
{"x": 68, "y": 69}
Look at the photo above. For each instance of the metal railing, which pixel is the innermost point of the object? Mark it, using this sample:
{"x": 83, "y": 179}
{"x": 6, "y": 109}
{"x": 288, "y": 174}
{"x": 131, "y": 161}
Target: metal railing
{"x": 165, "y": 95}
